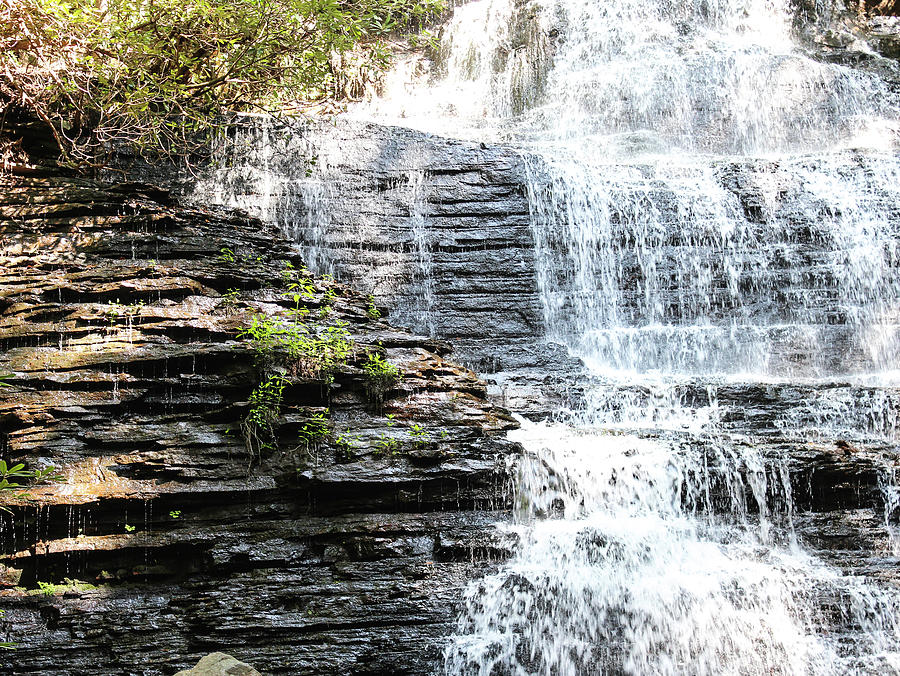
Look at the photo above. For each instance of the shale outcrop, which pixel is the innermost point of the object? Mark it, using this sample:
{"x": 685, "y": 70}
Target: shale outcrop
{"x": 444, "y": 227}
{"x": 340, "y": 545}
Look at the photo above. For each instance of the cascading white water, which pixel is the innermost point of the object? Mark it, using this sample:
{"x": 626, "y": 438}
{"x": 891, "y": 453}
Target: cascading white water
{"x": 657, "y": 267}
{"x": 713, "y": 211}
{"x": 715, "y": 217}
{"x": 720, "y": 76}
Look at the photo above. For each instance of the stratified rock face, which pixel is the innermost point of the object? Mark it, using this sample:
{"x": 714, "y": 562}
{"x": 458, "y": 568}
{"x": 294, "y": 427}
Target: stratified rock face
{"x": 437, "y": 229}
{"x": 855, "y": 32}
{"x": 440, "y": 231}
{"x": 348, "y": 553}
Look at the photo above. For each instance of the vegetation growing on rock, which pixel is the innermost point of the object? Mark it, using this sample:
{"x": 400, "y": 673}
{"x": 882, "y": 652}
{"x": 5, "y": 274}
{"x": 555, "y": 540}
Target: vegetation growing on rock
{"x": 143, "y": 411}
{"x": 155, "y": 74}
{"x": 381, "y": 375}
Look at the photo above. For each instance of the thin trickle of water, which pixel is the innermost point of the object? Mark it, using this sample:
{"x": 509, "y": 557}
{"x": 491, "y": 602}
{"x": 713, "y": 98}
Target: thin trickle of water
{"x": 246, "y": 176}
{"x": 890, "y": 491}
{"x": 419, "y": 226}
{"x": 148, "y": 527}
{"x": 114, "y": 372}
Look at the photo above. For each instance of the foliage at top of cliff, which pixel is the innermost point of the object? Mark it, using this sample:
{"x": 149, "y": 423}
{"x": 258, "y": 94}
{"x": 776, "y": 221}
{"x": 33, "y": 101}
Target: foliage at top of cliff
{"x": 156, "y": 72}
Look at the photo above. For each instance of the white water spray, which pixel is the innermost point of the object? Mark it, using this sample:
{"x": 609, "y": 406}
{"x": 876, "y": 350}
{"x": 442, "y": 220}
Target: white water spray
{"x": 715, "y": 214}
{"x": 715, "y": 217}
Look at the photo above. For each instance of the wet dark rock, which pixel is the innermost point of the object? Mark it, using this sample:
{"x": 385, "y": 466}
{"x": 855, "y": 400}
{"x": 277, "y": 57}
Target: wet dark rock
{"x": 355, "y": 216}
{"x": 857, "y": 33}
{"x": 119, "y": 329}
{"x": 439, "y": 231}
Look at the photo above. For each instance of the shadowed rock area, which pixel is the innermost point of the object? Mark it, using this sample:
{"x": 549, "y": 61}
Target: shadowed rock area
{"x": 169, "y": 540}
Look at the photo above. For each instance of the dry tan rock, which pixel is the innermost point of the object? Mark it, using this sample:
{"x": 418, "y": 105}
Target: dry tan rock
{"x": 220, "y": 664}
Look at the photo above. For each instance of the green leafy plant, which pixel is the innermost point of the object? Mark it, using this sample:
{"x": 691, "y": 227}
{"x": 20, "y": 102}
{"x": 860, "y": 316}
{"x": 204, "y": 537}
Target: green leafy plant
{"x": 295, "y": 349}
{"x": 428, "y": 40}
{"x": 129, "y": 529}
{"x": 265, "y": 407}
{"x": 372, "y": 311}
{"x": 313, "y": 352}
{"x": 116, "y": 310}
{"x": 230, "y": 299}
{"x": 314, "y": 429}
{"x": 67, "y": 585}
{"x": 175, "y": 514}
{"x": 387, "y": 446}
{"x": 264, "y": 334}
{"x": 419, "y": 435}
{"x": 381, "y": 375}
{"x": 18, "y": 472}
{"x": 157, "y": 74}
{"x": 7, "y": 645}
{"x": 287, "y": 272}
{"x": 347, "y": 444}
{"x": 227, "y": 255}
{"x": 302, "y": 288}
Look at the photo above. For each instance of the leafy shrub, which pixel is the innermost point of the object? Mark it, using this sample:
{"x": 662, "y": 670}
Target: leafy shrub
{"x": 265, "y": 407}
{"x": 381, "y": 375}
{"x": 155, "y": 74}
{"x": 313, "y": 352}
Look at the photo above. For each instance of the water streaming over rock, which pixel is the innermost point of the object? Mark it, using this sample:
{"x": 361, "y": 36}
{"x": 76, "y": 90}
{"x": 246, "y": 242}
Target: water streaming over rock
{"x": 713, "y": 211}
{"x": 715, "y": 216}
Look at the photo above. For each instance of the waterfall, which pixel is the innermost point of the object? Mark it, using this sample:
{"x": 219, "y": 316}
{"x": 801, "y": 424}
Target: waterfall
{"x": 714, "y": 208}
{"x": 715, "y": 216}
{"x": 623, "y": 78}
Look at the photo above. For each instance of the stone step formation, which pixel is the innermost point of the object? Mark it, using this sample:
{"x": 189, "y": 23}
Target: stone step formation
{"x": 342, "y": 544}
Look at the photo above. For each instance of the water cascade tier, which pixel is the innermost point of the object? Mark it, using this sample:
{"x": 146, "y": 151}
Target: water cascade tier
{"x": 712, "y": 210}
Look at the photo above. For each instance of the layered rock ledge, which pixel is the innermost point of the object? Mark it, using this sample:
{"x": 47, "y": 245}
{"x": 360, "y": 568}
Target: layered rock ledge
{"x": 344, "y": 554}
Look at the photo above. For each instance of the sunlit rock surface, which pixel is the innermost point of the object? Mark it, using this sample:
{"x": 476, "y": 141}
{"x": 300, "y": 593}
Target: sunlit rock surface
{"x": 118, "y": 328}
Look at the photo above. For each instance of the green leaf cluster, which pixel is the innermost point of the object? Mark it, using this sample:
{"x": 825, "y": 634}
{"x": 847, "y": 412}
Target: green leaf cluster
{"x": 310, "y": 351}
{"x": 387, "y": 446}
{"x": 155, "y": 73}
{"x": 381, "y": 375}
{"x": 16, "y": 490}
{"x": 314, "y": 429}
{"x": 18, "y": 471}
{"x": 419, "y": 435}
{"x": 265, "y": 407}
